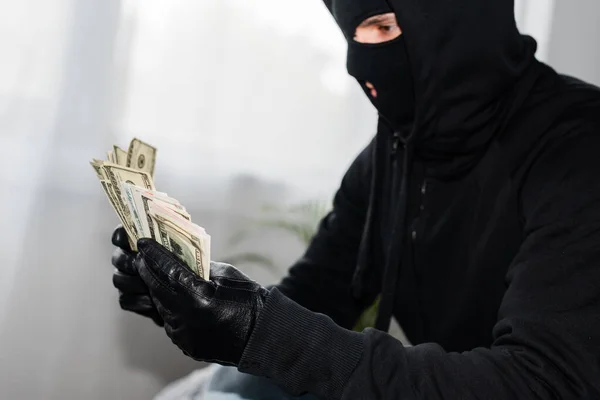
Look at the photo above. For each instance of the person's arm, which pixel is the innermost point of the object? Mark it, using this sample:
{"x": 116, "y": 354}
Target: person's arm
{"x": 321, "y": 279}
{"x": 547, "y": 338}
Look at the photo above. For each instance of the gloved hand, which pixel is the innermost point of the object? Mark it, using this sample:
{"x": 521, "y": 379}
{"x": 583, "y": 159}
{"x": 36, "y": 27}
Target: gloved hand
{"x": 133, "y": 292}
{"x": 208, "y": 320}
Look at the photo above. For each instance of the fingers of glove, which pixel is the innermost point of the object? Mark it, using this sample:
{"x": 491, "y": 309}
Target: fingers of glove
{"x": 162, "y": 270}
{"x": 157, "y": 319}
{"x": 169, "y": 331}
{"x": 123, "y": 261}
{"x": 141, "y": 305}
{"x": 226, "y": 271}
{"x": 170, "y": 319}
{"x": 160, "y": 291}
{"x": 129, "y": 284}
{"x": 119, "y": 238}
{"x": 136, "y": 303}
{"x": 153, "y": 315}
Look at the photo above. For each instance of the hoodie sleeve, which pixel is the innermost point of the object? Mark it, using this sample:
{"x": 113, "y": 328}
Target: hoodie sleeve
{"x": 547, "y": 338}
{"x": 321, "y": 279}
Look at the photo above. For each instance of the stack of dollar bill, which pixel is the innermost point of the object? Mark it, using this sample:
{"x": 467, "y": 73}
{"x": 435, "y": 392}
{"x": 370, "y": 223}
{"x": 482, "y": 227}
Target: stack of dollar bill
{"x": 126, "y": 178}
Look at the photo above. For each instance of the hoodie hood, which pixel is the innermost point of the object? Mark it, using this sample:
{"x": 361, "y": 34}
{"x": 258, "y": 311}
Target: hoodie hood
{"x": 469, "y": 67}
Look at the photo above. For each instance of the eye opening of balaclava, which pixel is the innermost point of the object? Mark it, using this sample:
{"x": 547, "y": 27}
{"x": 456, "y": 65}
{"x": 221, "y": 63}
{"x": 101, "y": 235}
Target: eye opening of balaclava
{"x": 385, "y": 65}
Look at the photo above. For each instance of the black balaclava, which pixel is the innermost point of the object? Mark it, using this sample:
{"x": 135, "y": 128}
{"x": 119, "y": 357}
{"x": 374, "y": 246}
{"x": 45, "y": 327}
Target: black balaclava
{"x": 385, "y": 65}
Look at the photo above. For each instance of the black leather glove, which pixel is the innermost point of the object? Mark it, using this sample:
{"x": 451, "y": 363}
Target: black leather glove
{"x": 133, "y": 292}
{"x": 208, "y": 320}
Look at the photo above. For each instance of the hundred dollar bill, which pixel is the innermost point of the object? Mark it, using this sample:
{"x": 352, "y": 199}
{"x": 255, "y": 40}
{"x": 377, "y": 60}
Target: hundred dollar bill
{"x": 163, "y": 198}
{"x": 181, "y": 243}
{"x": 141, "y": 156}
{"x": 97, "y": 165}
{"x": 139, "y": 199}
{"x": 108, "y": 190}
{"x": 115, "y": 175}
{"x": 136, "y": 217}
{"x": 120, "y": 156}
{"x": 182, "y": 238}
{"x": 107, "y": 186}
{"x": 179, "y": 210}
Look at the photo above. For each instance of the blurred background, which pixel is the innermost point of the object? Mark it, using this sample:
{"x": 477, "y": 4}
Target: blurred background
{"x": 249, "y": 105}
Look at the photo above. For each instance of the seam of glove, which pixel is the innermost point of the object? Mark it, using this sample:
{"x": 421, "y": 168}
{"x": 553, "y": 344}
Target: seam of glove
{"x": 238, "y": 288}
{"x": 231, "y": 279}
{"x": 127, "y": 264}
{"x": 157, "y": 280}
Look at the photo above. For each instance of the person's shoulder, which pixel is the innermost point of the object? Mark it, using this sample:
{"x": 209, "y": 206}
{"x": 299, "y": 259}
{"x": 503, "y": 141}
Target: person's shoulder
{"x": 563, "y": 95}
{"x": 578, "y": 124}
{"x": 572, "y": 139}
{"x": 564, "y": 108}
{"x": 563, "y": 157}
{"x": 557, "y": 129}
{"x": 568, "y": 84}
{"x": 575, "y": 101}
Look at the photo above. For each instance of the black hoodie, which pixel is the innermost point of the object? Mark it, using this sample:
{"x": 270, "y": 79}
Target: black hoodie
{"x": 481, "y": 230}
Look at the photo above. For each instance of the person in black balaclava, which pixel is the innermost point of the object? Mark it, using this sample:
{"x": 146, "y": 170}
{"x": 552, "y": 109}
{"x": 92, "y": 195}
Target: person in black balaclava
{"x": 474, "y": 213}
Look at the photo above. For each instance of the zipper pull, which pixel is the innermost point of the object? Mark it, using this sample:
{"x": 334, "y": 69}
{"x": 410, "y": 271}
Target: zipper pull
{"x": 395, "y": 143}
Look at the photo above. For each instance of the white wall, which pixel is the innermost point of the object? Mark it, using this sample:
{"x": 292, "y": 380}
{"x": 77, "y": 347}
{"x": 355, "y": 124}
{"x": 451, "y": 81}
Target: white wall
{"x": 575, "y": 39}
{"x": 535, "y": 17}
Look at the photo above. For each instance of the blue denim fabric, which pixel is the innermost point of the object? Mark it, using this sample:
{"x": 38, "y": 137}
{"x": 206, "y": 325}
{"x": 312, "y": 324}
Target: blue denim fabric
{"x": 228, "y": 383}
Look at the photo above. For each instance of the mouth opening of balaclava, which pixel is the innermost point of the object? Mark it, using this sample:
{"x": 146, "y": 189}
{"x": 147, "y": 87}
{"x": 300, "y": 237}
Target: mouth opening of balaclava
{"x": 385, "y": 65}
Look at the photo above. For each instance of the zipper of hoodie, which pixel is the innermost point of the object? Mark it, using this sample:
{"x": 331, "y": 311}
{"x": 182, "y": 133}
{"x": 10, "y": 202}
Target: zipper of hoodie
{"x": 393, "y": 257}
{"x": 423, "y": 191}
{"x": 411, "y": 220}
{"x": 395, "y": 187}
{"x": 395, "y": 144}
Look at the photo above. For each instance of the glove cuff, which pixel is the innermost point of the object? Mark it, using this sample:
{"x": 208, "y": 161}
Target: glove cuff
{"x": 301, "y": 350}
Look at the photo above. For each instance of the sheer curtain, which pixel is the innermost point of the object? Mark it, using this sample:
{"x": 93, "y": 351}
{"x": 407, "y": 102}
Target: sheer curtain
{"x": 231, "y": 87}
{"x": 249, "y": 104}
{"x": 29, "y": 82}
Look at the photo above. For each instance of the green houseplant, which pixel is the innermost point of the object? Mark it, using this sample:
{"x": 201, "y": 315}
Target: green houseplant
{"x": 299, "y": 221}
